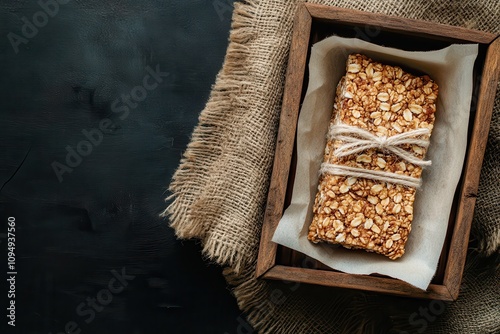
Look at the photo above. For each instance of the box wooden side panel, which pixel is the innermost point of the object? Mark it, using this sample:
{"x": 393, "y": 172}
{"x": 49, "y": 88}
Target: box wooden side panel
{"x": 284, "y": 146}
{"x": 477, "y": 146}
{"x": 349, "y": 16}
{"x": 359, "y": 282}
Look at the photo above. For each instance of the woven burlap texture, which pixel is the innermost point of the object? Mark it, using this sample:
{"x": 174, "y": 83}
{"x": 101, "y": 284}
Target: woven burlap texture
{"x": 219, "y": 191}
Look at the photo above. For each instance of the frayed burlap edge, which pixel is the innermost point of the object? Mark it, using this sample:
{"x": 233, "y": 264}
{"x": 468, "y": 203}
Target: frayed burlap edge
{"x": 202, "y": 152}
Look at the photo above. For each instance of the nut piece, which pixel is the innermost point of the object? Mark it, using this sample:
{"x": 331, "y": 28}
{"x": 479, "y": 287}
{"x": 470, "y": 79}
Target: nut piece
{"x": 363, "y": 158}
{"x": 338, "y": 225}
{"x": 417, "y": 149}
{"x": 368, "y": 224}
{"x": 353, "y": 68}
{"x": 356, "y": 222}
{"x": 415, "y": 108}
{"x": 344, "y": 188}
{"x": 377, "y": 76}
{"x": 372, "y": 199}
{"x": 381, "y": 163}
{"x": 383, "y": 97}
{"x": 340, "y": 237}
{"x": 397, "y": 198}
{"x": 407, "y": 115}
{"x": 377, "y": 188}
{"x": 397, "y": 127}
{"x": 396, "y": 107}
{"x": 375, "y": 229}
{"x": 396, "y": 237}
{"x": 385, "y": 106}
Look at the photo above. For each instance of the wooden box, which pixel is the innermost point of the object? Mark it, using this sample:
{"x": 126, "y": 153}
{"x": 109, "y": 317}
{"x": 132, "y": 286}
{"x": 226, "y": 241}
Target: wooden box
{"x": 314, "y": 23}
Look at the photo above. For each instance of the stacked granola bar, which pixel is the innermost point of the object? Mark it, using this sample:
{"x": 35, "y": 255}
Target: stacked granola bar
{"x": 360, "y": 212}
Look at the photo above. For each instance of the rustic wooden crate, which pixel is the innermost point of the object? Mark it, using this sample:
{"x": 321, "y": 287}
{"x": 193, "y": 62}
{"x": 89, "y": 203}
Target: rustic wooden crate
{"x": 315, "y": 22}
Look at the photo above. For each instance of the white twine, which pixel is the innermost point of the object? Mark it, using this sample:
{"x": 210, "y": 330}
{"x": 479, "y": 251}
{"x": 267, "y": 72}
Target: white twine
{"x": 357, "y": 140}
{"x": 377, "y": 175}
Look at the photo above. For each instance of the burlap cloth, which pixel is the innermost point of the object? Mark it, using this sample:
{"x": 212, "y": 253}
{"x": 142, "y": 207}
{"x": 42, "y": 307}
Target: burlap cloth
{"x": 218, "y": 193}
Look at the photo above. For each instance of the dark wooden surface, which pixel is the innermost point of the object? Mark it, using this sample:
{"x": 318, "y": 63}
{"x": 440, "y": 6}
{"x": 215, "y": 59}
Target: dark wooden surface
{"x": 278, "y": 262}
{"x": 104, "y": 215}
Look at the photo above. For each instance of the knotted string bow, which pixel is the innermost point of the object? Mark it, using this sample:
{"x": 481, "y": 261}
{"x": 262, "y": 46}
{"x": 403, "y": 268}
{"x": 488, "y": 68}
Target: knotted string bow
{"x": 356, "y": 140}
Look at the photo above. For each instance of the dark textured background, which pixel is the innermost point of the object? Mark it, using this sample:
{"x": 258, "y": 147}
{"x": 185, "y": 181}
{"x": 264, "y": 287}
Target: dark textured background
{"x": 104, "y": 214}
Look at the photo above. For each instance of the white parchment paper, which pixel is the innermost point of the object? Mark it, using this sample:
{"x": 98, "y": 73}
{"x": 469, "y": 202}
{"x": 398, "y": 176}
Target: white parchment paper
{"x": 451, "y": 68}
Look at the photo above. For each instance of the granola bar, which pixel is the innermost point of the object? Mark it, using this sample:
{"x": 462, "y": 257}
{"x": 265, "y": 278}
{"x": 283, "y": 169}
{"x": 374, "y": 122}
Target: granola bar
{"x": 360, "y": 212}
